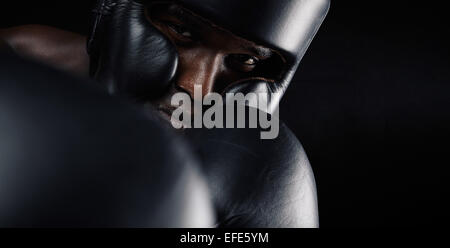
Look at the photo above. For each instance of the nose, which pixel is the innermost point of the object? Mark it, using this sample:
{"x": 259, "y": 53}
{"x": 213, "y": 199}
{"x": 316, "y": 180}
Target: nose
{"x": 198, "y": 67}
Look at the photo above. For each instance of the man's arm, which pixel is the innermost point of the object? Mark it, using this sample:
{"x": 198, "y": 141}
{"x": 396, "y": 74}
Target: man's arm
{"x": 58, "y": 48}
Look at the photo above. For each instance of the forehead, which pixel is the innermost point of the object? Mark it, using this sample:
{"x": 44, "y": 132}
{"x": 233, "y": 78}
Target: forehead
{"x": 205, "y": 26}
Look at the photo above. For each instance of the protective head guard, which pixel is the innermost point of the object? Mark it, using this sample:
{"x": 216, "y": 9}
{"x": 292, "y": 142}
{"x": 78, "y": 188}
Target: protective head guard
{"x": 286, "y": 26}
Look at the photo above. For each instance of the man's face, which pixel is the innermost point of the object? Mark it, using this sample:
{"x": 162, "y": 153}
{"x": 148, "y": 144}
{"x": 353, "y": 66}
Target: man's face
{"x": 208, "y": 55}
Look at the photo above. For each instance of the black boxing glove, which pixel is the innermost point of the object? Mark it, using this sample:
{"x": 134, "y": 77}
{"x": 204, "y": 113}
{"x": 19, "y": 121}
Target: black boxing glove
{"x": 127, "y": 53}
{"x": 257, "y": 183}
{"x": 71, "y": 155}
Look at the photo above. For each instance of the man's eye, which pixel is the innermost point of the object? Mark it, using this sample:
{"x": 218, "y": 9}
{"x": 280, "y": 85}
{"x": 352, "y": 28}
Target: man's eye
{"x": 246, "y": 59}
{"x": 243, "y": 62}
{"x": 250, "y": 61}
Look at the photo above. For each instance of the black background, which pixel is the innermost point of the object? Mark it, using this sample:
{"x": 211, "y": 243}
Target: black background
{"x": 369, "y": 103}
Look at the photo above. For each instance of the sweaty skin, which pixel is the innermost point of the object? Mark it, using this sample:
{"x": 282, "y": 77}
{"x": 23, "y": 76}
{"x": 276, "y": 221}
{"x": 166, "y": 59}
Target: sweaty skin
{"x": 58, "y": 48}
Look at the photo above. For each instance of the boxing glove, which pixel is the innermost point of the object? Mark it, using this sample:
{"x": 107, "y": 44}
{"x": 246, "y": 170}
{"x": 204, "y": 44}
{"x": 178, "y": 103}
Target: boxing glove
{"x": 71, "y": 155}
{"x": 128, "y": 55}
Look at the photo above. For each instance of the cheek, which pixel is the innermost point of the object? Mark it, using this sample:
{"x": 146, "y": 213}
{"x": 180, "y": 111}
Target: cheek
{"x": 188, "y": 55}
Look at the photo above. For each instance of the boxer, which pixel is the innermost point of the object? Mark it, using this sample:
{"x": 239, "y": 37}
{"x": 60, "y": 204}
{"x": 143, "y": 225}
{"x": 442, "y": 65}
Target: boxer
{"x": 151, "y": 50}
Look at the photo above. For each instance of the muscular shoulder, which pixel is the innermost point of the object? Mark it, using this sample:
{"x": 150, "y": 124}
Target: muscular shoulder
{"x": 260, "y": 183}
{"x": 59, "y": 48}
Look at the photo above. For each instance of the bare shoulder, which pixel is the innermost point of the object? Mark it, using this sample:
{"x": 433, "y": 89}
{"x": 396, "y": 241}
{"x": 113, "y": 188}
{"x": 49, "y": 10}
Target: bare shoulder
{"x": 62, "y": 49}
